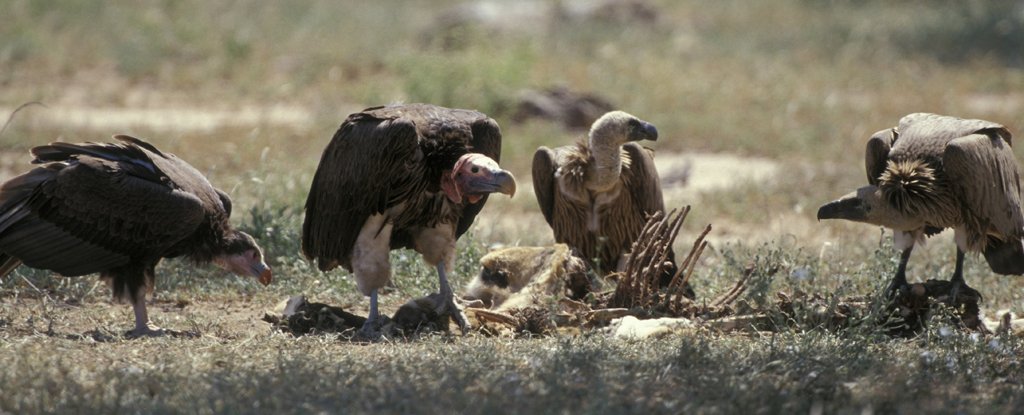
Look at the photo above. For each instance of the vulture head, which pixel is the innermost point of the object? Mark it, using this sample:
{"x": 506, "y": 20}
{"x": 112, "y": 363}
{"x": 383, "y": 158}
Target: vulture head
{"x": 242, "y": 256}
{"x": 475, "y": 176}
{"x": 616, "y": 128}
{"x": 869, "y": 204}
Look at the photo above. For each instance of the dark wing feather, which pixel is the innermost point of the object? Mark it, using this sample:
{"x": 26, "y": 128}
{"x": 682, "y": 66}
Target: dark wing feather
{"x": 544, "y": 185}
{"x": 89, "y": 214}
{"x": 645, "y": 187}
{"x": 983, "y": 171}
{"x": 487, "y": 141}
{"x": 876, "y": 155}
{"x": 642, "y": 179}
{"x": 131, "y": 158}
{"x": 369, "y": 165}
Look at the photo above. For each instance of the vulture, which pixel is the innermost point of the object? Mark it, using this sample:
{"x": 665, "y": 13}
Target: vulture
{"x": 401, "y": 176}
{"x": 597, "y": 195}
{"x": 934, "y": 172}
{"x": 117, "y": 209}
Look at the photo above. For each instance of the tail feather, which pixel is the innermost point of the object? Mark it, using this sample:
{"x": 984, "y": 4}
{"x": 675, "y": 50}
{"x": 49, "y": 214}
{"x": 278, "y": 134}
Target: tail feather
{"x": 130, "y": 150}
{"x": 1005, "y": 257}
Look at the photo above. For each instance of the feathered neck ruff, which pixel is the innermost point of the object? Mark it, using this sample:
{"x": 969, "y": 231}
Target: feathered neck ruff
{"x": 910, "y": 186}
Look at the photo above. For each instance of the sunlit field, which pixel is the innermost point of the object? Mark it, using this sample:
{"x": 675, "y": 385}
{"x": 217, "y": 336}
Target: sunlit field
{"x": 767, "y": 104}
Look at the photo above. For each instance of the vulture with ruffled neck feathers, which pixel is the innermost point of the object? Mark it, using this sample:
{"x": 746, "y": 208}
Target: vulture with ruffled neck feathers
{"x": 934, "y": 172}
{"x": 118, "y": 209}
{"x": 598, "y": 194}
{"x": 401, "y": 176}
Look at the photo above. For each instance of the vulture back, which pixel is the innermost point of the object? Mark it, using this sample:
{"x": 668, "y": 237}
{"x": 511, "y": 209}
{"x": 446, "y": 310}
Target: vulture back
{"x": 390, "y": 159}
{"x": 92, "y": 207}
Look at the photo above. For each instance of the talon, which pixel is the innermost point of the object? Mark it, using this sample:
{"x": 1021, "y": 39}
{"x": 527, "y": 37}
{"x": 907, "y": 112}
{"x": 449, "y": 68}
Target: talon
{"x": 449, "y": 306}
{"x": 148, "y": 330}
{"x": 372, "y": 330}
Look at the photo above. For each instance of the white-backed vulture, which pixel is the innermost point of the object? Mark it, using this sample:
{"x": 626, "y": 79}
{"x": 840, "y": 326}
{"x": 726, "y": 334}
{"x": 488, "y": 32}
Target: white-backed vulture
{"x": 401, "y": 176}
{"x": 597, "y": 195}
{"x": 934, "y": 172}
{"x": 118, "y": 209}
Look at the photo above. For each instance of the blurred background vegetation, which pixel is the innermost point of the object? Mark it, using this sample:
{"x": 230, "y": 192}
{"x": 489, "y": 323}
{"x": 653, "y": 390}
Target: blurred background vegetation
{"x": 251, "y": 91}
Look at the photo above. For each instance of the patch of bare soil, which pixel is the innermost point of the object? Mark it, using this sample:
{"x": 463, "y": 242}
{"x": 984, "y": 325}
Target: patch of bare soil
{"x": 685, "y": 174}
{"x": 102, "y": 320}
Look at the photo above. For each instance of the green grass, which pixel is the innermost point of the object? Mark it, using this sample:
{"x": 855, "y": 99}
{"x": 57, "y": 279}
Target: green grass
{"x": 801, "y": 82}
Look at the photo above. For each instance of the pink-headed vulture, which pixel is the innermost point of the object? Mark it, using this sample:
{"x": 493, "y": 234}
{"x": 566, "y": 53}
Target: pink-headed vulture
{"x": 401, "y": 176}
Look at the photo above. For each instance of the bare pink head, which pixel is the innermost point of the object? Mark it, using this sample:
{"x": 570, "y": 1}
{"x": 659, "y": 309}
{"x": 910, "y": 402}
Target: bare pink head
{"x": 475, "y": 176}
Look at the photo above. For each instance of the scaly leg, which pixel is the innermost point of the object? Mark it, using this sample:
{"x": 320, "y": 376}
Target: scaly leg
{"x": 957, "y": 281}
{"x": 372, "y": 327}
{"x": 899, "y": 281}
{"x": 143, "y": 327}
{"x": 448, "y": 300}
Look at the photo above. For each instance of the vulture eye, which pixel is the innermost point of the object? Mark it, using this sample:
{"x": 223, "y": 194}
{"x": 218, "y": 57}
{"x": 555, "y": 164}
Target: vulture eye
{"x": 475, "y": 169}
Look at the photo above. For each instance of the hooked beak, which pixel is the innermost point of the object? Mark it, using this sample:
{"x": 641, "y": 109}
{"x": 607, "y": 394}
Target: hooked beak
{"x": 849, "y": 207}
{"x": 243, "y": 265}
{"x": 498, "y": 181}
{"x": 263, "y": 273}
{"x": 503, "y": 182}
{"x": 647, "y": 131}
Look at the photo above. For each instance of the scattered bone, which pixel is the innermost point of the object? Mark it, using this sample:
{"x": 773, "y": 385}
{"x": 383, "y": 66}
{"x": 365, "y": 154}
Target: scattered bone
{"x": 630, "y": 327}
{"x": 638, "y": 285}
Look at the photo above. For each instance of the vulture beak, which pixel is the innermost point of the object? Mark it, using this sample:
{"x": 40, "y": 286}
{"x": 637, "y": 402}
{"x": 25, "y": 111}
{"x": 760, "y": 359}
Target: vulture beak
{"x": 849, "y": 207}
{"x": 249, "y": 262}
{"x": 262, "y": 271}
{"x": 645, "y": 131}
{"x": 503, "y": 182}
{"x": 475, "y": 176}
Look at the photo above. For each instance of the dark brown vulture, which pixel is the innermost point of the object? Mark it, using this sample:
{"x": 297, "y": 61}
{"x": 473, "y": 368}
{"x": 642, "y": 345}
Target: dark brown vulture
{"x": 401, "y": 176}
{"x": 597, "y": 195}
{"x": 117, "y": 209}
{"x": 934, "y": 172}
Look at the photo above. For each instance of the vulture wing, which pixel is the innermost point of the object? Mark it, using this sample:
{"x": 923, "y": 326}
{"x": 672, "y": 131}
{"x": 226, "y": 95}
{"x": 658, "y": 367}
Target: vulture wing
{"x": 945, "y": 128}
{"x": 487, "y": 141}
{"x": 544, "y": 186}
{"x": 642, "y": 179}
{"x": 982, "y": 170}
{"x": 371, "y": 164}
{"x": 877, "y": 153}
{"x": 92, "y": 207}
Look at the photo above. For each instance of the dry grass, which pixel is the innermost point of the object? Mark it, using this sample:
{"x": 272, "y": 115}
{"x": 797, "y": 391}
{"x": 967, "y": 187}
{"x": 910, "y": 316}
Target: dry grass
{"x": 800, "y": 82}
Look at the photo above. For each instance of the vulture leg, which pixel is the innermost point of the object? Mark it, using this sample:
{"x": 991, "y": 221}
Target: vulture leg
{"x": 447, "y": 303}
{"x": 373, "y": 327}
{"x": 899, "y": 281}
{"x": 957, "y": 281}
{"x": 143, "y": 327}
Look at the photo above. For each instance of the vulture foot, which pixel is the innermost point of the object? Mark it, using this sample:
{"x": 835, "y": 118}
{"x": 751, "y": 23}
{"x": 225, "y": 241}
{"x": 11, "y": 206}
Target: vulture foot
{"x": 445, "y": 304}
{"x": 958, "y": 288}
{"x": 147, "y": 330}
{"x": 897, "y": 289}
{"x": 373, "y": 329}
